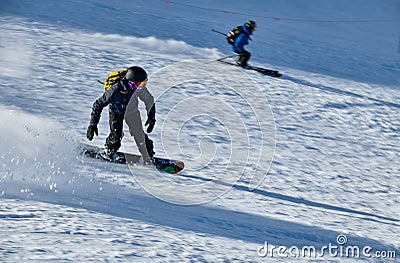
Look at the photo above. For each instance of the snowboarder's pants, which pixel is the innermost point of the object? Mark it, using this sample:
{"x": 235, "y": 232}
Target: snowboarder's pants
{"x": 243, "y": 58}
{"x": 116, "y": 122}
{"x": 113, "y": 140}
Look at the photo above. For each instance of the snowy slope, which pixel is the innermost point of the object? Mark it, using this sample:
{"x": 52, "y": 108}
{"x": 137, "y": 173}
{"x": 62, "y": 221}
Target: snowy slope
{"x": 326, "y": 133}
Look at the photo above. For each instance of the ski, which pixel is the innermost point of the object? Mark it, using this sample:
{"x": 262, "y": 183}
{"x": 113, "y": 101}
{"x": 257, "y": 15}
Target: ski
{"x": 264, "y": 71}
{"x": 162, "y": 164}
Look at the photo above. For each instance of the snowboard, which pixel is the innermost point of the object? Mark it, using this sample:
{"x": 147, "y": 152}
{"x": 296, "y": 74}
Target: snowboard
{"x": 264, "y": 71}
{"x": 162, "y": 164}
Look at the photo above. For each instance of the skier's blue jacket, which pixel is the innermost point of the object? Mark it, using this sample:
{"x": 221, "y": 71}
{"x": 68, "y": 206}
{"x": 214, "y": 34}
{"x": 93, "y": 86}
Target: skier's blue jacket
{"x": 241, "y": 40}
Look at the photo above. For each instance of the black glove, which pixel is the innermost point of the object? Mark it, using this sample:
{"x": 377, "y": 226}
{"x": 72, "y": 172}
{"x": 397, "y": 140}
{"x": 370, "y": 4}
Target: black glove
{"x": 151, "y": 122}
{"x": 91, "y": 130}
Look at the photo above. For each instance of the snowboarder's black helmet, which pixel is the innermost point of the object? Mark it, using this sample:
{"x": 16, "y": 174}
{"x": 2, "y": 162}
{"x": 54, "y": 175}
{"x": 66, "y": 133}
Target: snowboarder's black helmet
{"x": 251, "y": 25}
{"x": 136, "y": 74}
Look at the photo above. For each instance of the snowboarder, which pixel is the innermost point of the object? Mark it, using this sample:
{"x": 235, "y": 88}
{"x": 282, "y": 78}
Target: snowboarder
{"x": 126, "y": 91}
{"x": 240, "y": 39}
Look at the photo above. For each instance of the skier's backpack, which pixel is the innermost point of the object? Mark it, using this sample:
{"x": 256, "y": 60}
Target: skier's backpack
{"x": 113, "y": 78}
{"x": 233, "y": 34}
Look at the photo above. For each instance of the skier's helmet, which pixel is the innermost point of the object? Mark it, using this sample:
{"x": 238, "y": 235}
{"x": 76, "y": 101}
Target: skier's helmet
{"x": 251, "y": 25}
{"x": 136, "y": 74}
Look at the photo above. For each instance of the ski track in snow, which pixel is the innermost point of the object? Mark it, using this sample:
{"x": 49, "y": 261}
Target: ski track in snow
{"x": 335, "y": 169}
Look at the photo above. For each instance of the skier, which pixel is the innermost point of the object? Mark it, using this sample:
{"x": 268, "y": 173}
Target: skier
{"x": 241, "y": 39}
{"x": 131, "y": 87}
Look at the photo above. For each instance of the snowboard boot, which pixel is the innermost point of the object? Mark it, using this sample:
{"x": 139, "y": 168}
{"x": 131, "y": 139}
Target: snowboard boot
{"x": 149, "y": 146}
{"x": 150, "y": 151}
{"x": 148, "y": 162}
{"x": 109, "y": 154}
{"x": 147, "y": 159}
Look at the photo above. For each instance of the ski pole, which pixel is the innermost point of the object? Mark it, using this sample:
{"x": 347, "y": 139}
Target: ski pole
{"x": 218, "y": 32}
{"x": 220, "y": 59}
{"x": 231, "y": 56}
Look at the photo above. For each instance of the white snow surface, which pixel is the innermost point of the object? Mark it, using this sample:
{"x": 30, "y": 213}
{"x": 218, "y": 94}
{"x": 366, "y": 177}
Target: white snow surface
{"x": 294, "y": 162}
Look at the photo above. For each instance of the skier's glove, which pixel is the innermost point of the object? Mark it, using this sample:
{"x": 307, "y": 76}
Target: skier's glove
{"x": 151, "y": 122}
{"x": 91, "y": 130}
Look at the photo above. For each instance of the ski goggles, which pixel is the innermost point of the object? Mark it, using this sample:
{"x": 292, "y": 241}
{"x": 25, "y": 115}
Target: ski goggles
{"x": 135, "y": 85}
